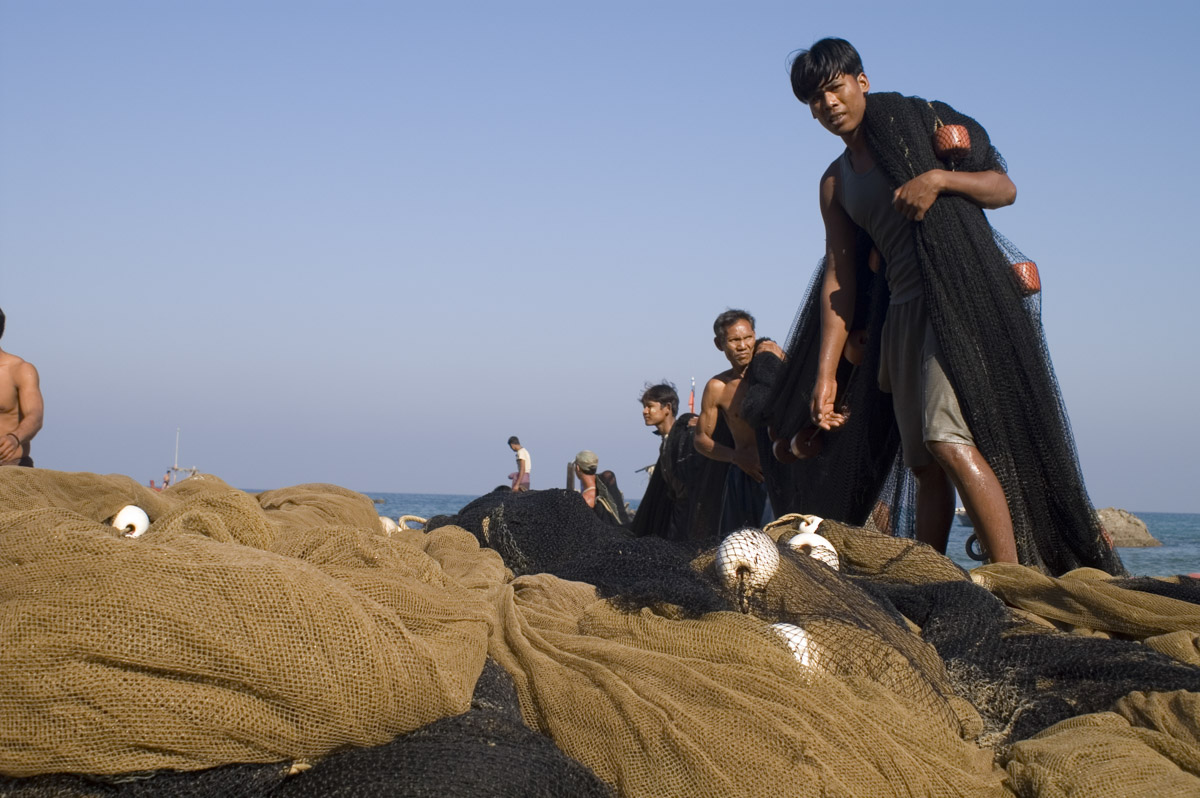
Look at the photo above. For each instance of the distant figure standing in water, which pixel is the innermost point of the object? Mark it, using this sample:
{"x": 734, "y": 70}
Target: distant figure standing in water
{"x": 520, "y": 477}
{"x": 20, "y": 407}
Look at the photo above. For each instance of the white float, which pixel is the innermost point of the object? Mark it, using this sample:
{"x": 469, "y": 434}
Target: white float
{"x": 389, "y": 526}
{"x": 801, "y": 645}
{"x": 816, "y": 546}
{"x": 748, "y": 556}
{"x": 132, "y": 520}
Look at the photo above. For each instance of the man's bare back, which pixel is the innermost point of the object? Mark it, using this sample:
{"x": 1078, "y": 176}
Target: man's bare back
{"x": 20, "y": 409}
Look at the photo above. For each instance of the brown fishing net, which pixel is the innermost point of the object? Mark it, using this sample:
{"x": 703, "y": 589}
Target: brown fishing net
{"x": 715, "y": 706}
{"x": 283, "y": 644}
{"x": 186, "y": 648}
{"x": 1147, "y": 745}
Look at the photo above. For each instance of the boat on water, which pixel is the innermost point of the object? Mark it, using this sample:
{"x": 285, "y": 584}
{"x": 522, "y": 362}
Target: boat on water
{"x": 174, "y": 473}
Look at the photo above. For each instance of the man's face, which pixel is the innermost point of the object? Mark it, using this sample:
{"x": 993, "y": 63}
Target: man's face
{"x": 739, "y": 343}
{"x": 840, "y": 103}
{"x": 516, "y": 447}
{"x": 655, "y": 413}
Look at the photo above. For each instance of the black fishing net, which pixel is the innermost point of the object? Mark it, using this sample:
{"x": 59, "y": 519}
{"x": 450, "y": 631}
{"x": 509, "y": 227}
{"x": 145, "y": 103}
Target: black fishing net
{"x": 857, "y": 476}
{"x": 487, "y": 752}
{"x": 227, "y": 781}
{"x": 850, "y": 631}
{"x": 1182, "y": 588}
{"x": 996, "y": 356}
{"x": 555, "y": 532}
{"x": 666, "y": 507}
{"x": 1024, "y": 678}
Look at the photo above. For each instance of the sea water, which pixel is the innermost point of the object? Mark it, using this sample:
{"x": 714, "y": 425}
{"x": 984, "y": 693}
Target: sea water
{"x": 1179, "y": 533}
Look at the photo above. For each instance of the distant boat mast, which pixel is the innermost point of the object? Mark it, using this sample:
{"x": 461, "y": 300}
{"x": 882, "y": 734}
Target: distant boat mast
{"x": 175, "y": 469}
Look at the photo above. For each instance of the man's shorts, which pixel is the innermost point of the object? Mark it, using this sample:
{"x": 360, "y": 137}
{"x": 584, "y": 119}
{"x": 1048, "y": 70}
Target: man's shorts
{"x": 910, "y": 369}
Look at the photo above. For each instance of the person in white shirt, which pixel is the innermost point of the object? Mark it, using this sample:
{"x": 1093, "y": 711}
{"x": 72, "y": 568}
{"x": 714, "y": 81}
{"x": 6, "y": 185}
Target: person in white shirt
{"x": 520, "y": 477}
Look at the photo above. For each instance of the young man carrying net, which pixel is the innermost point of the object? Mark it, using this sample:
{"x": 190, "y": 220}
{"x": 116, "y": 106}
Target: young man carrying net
{"x": 960, "y": 351}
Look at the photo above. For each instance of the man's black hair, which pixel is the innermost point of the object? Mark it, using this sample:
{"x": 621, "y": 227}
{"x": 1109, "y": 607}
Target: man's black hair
{"x": 663, "y": 393}
{"x": 513, "y": 440}
{"x": 825, "y": 60}
{"x": 1, "y": 323}
{"x": 731, "y": 316}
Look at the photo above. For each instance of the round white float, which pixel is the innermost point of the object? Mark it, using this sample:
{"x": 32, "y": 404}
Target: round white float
{"x": 748, "y": 555}
{"x": 802, "y": 646}
{"x": 132, "y": 520}
{"x": 816, "y": 546}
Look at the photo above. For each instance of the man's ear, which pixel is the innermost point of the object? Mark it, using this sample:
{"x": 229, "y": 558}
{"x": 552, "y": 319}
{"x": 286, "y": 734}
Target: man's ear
{"x": 863, "y": 82}
{"x": 717, "y": 343}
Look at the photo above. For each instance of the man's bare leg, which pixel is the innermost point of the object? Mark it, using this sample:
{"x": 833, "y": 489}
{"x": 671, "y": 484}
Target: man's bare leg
{"x": 935, "y": 506}
{"x": 981, "y": 495}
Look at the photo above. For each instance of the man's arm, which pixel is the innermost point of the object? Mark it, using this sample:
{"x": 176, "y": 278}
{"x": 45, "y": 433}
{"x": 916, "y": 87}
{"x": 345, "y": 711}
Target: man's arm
{"x": 520, "y": 472}
{"x": 710, "y": 405}
{"x": 986, "y": 189}
{"x": 838, "y": 289}
{"x": 707, "y": 424}
{"x": 29, "y": 400}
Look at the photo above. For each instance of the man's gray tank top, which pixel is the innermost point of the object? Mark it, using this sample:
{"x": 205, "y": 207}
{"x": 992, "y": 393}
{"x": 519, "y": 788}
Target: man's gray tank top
{"x": 867, "y": 199}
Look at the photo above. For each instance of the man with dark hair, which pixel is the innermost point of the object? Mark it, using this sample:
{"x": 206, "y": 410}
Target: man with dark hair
{"x": 954, "y": 325}
{"x": 520, "y": 478}
{"x": 723, "y": 434}
{"x": 20, "y": 407}
{"x": 665, "y": 509}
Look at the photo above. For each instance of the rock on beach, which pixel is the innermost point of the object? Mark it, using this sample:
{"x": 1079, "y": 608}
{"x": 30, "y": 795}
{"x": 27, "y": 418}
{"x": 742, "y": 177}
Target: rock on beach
{"x": 1126, "y": 529}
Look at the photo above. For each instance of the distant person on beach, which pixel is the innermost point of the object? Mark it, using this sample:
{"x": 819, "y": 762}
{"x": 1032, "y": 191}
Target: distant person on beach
{"x": 594, "y": 491}
{"x": 520, "y": 477}
{"x": 745, "y": 498}
{"x": 665, "y": 510}
{"x": 915, "y": 176}
{"x": 20, "y": 407}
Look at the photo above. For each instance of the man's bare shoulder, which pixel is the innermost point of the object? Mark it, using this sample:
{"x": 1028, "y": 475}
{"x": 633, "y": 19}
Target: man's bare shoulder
{"x": 831, "y": 184}
{"x": 719, "y": 381}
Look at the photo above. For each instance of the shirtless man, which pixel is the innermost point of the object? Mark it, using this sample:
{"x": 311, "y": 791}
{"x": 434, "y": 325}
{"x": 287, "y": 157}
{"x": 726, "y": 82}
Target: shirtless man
{"x": 20, "y": 407}
{"x": 745, "y": 497}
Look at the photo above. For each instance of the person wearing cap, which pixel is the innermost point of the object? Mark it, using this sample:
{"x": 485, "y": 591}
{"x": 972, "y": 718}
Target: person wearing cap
{"x": 595, "y": 492}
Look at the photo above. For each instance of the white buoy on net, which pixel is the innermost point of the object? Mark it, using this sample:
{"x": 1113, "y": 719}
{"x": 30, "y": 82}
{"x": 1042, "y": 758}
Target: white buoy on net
{"x": 816, "y": 546}
{"x": 801, "y": 645}
{"x": 748, "y": 557}
{"x": 389, "y": 526}
{"x": 809, "y": 523}
{"x": 132, "y": 520}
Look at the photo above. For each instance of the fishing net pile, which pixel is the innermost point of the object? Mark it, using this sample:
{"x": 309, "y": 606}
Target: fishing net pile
{"x": 284, "y": 644}
{"x": 997, "y": 360}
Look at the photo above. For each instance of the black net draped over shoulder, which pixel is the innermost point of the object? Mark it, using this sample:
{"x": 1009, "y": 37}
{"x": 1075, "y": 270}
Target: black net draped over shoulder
{"x": 996, "y": 356}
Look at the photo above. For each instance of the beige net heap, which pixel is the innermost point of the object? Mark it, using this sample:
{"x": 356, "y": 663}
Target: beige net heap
{"x": 287, "y": 640}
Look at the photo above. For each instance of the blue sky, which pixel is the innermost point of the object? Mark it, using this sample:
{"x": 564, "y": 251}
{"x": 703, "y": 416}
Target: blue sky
{"x": 365, "y": 242}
